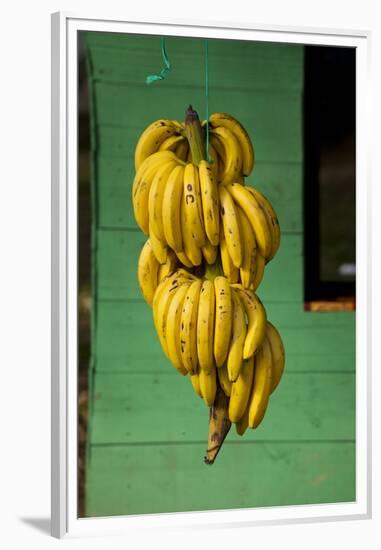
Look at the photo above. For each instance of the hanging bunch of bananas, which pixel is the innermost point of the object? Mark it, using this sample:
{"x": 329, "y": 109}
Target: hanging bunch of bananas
{"x": 211, "y": 330}
{"x": 209, "y": 239}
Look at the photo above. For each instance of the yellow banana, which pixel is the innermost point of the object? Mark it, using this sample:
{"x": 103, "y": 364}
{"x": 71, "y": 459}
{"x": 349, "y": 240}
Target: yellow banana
{"x": 223, "y": 321}
{"x": 256, "y": 315}
{"x": 171, "y": 143}
{"x": 231, "y": 226}
{"x": 249, "y": 245}
{"x": 147, "y": 272}
{"x": 232, "y": 154}
{"x": 230, "y": 271}
{"x": 208, "y": 385}
{"x": 210, "y": 203}
{"x": 193, "y": 204}
{"x": 159, "y": 248}
{"x": 172, "y": 330}
{"x": 168, "y": 284}
{"x": 161, "y": 302}
{"x": 195, "y": 380}
{"x": 232, "y": 124}
{"x": 161, "y": 287}
{"x": 224, "y": 381}
{"x": 155, "y": 199}
{"x": 272, "y": 220}
{"x": 157, "y": 157}
{"x": 255, "y": 215}
{"x": 205, "y": 326}
{"x": 169, "y": 267}
{"x": 235, "y": 354}
{"x": 188, "y": 327}
{"x": 161, "y": 314}
{"x": 142, "y": 184}
{"x": 191, "y": 249}
{"x": 240, "y": 390}
{"x": 277, "y": 354}
{"x": 260, "y": 263}
{"x": 242, "y": 424}
{"x": 261, "y": 385}
{"x": 151, "y": 139}
{"x": 171, "y": 209}
{"x": 209, "y": 252}
{"x": 184, "y": 259}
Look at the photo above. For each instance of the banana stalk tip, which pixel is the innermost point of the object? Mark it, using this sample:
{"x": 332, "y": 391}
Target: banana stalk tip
{"x": 219, "y": 426}
{"x": 208, "y": 461}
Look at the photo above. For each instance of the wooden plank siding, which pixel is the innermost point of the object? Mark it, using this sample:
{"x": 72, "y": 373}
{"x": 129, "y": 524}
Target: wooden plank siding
{"x": 141, "y": 479}
{"x": 147, "y": 427}
{"x": 119, "y": 395}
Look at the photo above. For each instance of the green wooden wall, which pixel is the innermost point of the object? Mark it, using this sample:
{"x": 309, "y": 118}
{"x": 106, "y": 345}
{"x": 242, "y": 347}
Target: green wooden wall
{"x": 147, "y": 428}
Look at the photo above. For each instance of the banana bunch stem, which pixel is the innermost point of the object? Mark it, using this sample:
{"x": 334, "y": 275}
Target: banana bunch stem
{"x": 194, "y": 135}
{"x": 219, "y": 425}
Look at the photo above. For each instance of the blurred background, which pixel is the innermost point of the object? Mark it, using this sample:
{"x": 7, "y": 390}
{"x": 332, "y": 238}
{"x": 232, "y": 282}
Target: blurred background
{"x": 298, "y": 104}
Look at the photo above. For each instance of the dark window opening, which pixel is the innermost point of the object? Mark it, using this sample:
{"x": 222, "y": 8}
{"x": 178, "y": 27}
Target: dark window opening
{"x": 329, "y": 174}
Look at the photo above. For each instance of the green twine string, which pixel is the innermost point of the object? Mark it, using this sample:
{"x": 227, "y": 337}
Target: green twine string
{"x": 164, "y": 72}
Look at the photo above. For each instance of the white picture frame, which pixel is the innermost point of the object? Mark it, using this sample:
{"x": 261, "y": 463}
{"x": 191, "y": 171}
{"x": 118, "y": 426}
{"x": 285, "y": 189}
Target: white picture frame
{"x": 65, "y": 521}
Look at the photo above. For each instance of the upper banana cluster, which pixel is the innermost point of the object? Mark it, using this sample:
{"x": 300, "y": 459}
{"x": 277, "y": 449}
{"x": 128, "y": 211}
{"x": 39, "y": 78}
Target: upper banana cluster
{"x": 195, "y": 207}
{"x": 209, "y": 239}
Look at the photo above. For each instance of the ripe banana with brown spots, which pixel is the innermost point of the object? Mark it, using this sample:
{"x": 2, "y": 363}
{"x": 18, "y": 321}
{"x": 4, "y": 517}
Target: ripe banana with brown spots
{"x": 247, "y": 150}
{"x": 261, "y": 389}
{"x": 205, "y": 327}
{"x": 256, "y": 315}
{"x": 188, "y": 327}
{"x": 255, "y": 215}
{"x": 151, "y": 139}
{"x": 231, "y": 227}
{"x": 235, "y": 354}
{"x": 148, "y": 268}
{"x": 223, "y": 319}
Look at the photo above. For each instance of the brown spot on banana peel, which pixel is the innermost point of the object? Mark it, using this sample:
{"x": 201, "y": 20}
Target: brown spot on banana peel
{"x": 219, "y": 425}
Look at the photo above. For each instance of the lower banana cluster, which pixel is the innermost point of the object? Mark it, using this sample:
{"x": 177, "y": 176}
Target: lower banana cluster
{"x": 212, "y": 330}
